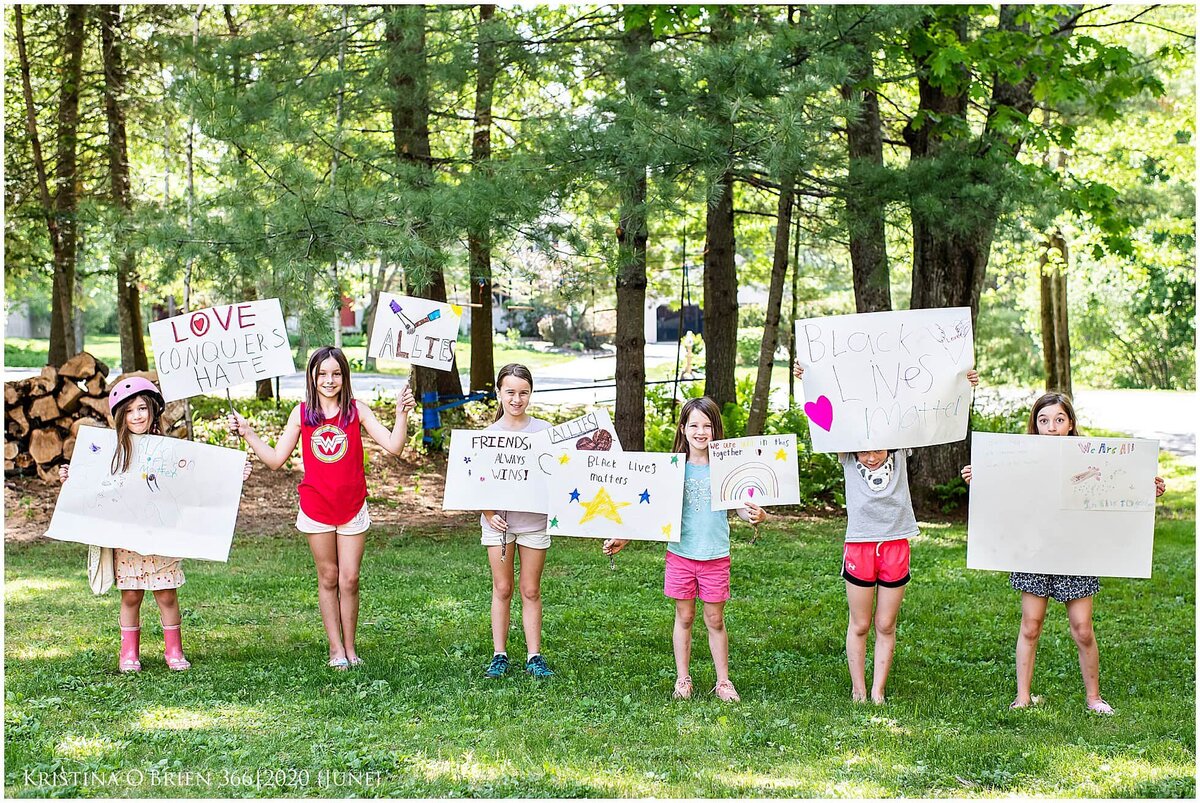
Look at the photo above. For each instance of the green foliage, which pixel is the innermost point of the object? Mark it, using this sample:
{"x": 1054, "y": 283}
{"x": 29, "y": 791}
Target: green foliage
{"x": 749, "y": 345}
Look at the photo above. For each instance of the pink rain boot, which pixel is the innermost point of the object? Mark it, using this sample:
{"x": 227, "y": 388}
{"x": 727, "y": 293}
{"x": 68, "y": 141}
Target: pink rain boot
{"x": 173, "y": 648}
{"x": 130, "y": 649}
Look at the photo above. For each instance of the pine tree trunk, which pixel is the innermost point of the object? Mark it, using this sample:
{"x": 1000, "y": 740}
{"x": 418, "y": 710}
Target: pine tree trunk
{"x": 720, "y": 298}
{"x": 133, "y": 348}
{"x": 479, "y": 254}
{"x": 404, "y": 32}
{"x": 62, "y": 334}
{"x": 779, "y": 265}
{"x": 864, "y": 208}
{"x": 1056, "y": 340}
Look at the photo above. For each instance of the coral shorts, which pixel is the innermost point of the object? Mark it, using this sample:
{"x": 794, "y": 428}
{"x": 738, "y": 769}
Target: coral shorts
{"x": 869, "y": 563}
{"x": 688, "y": 579}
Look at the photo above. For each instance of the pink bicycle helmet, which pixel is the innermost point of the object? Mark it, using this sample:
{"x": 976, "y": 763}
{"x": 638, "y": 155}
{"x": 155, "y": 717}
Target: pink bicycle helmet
{"x": 128, "y": 388}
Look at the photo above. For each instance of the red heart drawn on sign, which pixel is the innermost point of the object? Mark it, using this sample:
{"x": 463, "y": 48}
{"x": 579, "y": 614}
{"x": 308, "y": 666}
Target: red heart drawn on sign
{"x": 198, "y": 324}
{"x": 820, "y": 412}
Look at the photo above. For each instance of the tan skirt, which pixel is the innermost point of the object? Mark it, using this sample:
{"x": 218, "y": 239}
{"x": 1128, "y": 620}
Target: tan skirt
{"x": 136, "y": 571}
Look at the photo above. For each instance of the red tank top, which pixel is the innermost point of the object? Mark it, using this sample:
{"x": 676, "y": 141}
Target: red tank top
{"x": 334, "y": 486}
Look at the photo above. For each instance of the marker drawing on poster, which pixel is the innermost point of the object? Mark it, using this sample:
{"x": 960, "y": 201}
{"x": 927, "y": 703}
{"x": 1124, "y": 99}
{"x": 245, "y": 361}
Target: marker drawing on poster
{"x": 494, "y": 470}
{"x": 215, "y": 348}
{"x": 1062, "y": 505}
{"x": 886, "y": 380}
{"x": 178, "y": 498}
{"x": 634, "y": 495}
{"x": 762, "y": 469}
{"x": 417, "y": 331}
{"x": 593, "y": 432}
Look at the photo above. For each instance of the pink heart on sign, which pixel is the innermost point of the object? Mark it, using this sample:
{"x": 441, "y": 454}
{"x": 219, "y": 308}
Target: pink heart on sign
{"x": 820, "y": 412}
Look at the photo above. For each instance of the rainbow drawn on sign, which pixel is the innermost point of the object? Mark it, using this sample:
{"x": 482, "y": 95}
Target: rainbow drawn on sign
{"x": 751, "y": 480}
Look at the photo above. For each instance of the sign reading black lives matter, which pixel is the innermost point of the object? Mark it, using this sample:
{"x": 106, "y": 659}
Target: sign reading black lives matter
{"x": 211, "y": 349}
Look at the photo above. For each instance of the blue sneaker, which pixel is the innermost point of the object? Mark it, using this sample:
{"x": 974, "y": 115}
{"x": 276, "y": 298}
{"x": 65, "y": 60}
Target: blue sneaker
{"x": 497, "y": 668}
{"x": 536, "y": 666}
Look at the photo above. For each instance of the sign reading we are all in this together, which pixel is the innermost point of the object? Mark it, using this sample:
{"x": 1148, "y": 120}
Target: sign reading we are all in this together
{"x": 886, "y": 380}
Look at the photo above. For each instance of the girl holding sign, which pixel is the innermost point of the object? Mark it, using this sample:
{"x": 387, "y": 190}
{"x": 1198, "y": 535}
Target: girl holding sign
{"x": 514, "y": 386}
{"x": 875, "y": 559}
{"x": 698, "y": 564}
{"x": 1053, "y": 414}
{"x": 136, "y": 407}
{"x": 333, "y": 493}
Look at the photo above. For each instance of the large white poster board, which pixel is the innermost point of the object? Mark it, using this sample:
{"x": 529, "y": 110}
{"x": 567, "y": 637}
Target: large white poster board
{"x": 494, "y": 470}
{"x": 886, "y": 380}
{"x": 178, "y": 499}
{"x": 1062, "y": 505}
{"x": 211, "y": 349}
{"x": 592, "y": 432}
{"x": 762, "y": 469}
{"x": 635, "y": 495}
{"x": 415, "y": 330}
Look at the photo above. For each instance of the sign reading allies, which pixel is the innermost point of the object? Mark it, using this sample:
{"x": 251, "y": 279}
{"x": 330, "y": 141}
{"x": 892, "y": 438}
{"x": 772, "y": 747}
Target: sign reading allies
{"x": 178, "y": 499}
{"x": 1062, "y": 505}
{"x": 211, "y": 349}
{"x": 762, "y": 469}
{"x": 415, "y": 330}
{"x": 636, "y": 495}
{"x": 886, "y": 380}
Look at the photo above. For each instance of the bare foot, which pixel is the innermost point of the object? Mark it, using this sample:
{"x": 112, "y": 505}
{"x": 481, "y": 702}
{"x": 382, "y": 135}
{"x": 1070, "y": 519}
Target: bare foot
{"x": 858, "y": 696}
{"x": 878, "y": 699}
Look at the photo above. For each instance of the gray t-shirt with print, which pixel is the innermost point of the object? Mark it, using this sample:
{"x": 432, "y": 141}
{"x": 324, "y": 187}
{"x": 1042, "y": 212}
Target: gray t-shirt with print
{"x": 878, "y": 505}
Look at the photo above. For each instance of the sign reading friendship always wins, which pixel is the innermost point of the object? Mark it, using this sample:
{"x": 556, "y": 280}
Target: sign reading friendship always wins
{"x": 633, "y": 495}
{"x": 886, "y": 380}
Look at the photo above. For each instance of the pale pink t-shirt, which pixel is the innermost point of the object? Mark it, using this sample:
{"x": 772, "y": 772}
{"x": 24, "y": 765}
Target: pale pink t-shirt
{"x": 519, "y": 521}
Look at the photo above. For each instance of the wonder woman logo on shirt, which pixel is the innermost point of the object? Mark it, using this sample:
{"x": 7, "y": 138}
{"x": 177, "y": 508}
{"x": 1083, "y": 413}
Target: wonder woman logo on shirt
{"x": 329, "y": 443}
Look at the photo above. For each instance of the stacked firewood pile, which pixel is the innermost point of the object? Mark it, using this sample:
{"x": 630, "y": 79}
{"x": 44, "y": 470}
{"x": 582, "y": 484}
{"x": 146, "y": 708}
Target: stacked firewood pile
{"x": 43, "y": 414}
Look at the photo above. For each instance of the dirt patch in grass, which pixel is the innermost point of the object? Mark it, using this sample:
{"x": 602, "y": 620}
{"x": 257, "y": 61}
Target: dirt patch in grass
{"x": 402, "y": 491}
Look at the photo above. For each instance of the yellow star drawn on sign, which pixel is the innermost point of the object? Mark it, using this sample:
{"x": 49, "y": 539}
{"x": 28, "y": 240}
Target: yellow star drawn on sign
{"x": 564, "y": 459}
{"x": 602, "y": 505}
{"x": 666, "y": 529}
{"x": 781, "y": 455}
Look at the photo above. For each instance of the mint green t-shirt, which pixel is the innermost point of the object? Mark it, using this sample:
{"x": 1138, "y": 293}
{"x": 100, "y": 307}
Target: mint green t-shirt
{"x": 704, "y": 534}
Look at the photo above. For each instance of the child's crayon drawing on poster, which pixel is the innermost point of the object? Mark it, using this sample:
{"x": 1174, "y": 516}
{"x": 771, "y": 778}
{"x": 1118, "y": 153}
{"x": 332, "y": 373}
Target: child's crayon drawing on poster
{"x": 415, "y": 330}
{"x": 177, "y": 498}
{"x": 633, "y": 495}
{"x": 761, "y": 469}
{"x": 1065, "y": 505}
{"x": 886, "y": 380}
{"x": 215, "y": 348}
{"x": 1106, "y": 474}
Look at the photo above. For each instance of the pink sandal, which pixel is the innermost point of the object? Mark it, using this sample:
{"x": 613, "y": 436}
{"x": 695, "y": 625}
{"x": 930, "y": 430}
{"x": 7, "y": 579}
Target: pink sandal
{"x": 1101, "y": 707}
{"x": 726, "y": 692}
{"x": 683, "y": 688}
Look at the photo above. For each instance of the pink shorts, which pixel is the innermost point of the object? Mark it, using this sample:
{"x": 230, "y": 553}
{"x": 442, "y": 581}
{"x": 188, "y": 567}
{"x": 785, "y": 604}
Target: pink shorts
{"x": 869, "y": 563}
{"x": 688, "y": 579}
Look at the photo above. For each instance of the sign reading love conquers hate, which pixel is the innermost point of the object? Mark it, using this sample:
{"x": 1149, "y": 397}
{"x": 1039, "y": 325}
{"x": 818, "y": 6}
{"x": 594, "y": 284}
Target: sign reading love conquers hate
{"x": 886, "y": 380}
{"x": 211, "y": 349}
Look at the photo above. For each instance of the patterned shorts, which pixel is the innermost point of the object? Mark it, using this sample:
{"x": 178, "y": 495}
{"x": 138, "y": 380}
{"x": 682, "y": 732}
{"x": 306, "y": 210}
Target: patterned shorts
{"x": 1062, "y": 587}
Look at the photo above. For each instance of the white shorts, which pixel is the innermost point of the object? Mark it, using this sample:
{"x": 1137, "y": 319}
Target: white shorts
{"x": 356, "y": 526}
{"x": 538, "y": 540}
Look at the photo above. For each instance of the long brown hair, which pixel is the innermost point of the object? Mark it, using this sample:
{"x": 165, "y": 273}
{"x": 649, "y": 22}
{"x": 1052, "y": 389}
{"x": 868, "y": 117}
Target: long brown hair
{"x": 124, "y": 454}
{"x": 1063, "y": 401}
{"x": 512, "y": 369}
{"x": 706, "y": 406}
{"x": 312, "y": 410}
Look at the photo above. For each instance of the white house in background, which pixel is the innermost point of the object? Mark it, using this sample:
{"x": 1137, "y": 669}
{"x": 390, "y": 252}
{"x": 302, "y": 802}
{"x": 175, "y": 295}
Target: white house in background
{"x": 19, "y": 323}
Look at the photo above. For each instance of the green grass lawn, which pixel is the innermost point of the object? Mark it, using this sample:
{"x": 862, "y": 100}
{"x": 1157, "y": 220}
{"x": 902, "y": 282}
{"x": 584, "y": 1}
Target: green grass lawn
{"x": 21, "y": 352}
{"x": 259, "y": 708}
